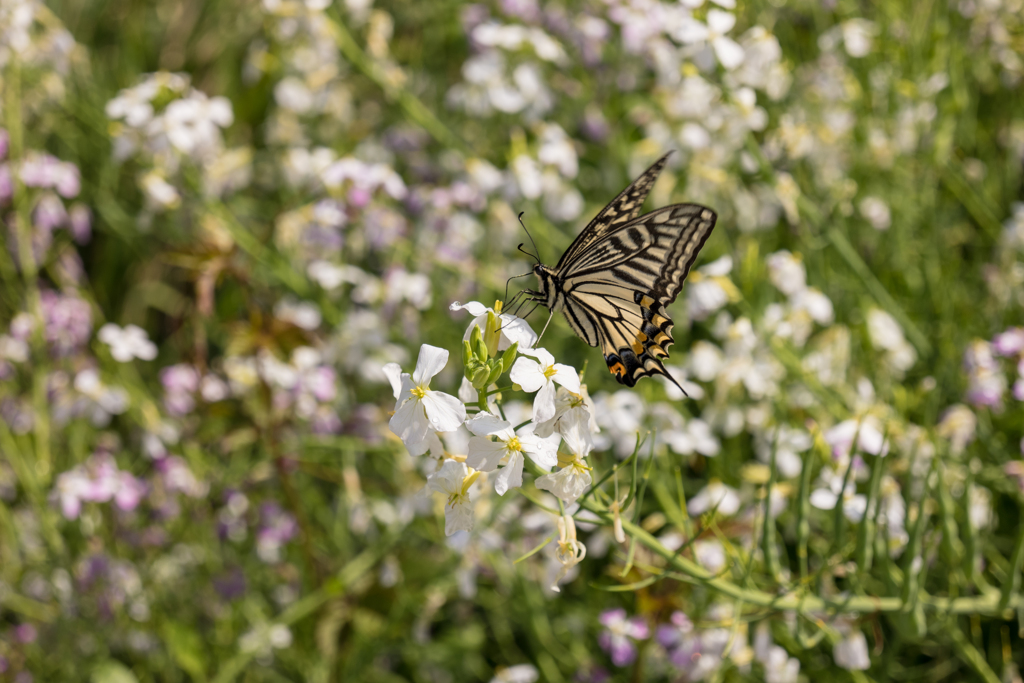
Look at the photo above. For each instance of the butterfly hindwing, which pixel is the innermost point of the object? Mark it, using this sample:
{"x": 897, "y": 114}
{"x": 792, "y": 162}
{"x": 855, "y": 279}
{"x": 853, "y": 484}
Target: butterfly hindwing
{"x": 619, "y": 211}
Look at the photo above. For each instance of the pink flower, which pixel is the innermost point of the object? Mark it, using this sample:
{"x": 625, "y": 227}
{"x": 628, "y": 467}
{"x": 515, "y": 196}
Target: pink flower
{"x": 619, "y": 634}
{"x": 1010, "y": 342}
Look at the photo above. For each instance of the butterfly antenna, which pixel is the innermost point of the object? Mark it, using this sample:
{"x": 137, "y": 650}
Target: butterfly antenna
{"x": 535, "y": 249}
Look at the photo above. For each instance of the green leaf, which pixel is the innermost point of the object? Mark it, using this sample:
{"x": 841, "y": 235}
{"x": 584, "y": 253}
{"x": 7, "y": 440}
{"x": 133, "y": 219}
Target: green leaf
{"x": 186, "y": 647}
{"x": 112, "y": 671}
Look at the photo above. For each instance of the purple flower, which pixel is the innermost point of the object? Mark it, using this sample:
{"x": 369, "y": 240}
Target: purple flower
{"x": 97, "y": 481}
{"x": 181, "y": 382}
{"x": 1010, "y": 342}
{"x": 68, "y": 321}
{"x": 619, "y": 634}
{"x": 4, "y": 143}
{"x": 277, "y": 528}
{"x": 49, "y": 213}
{"x": 25, "y": 633}
{"x": 679, "y": 640}
{"x": 80, "y": 223}
{"x": 178, "y": 478}
{"x": 231, "y": 585}
{"x": 985, "y": 381}
{"x": 44, "y": 170}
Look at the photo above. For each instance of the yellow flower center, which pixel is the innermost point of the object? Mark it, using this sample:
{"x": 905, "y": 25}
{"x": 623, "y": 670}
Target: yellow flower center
{"x": 550, "y": 371}
{"x": 513, "y": 445}
{"x": 419, "y": 392}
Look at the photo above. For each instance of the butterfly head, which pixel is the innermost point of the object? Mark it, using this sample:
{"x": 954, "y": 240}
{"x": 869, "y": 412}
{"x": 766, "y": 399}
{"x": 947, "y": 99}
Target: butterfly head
{"x": 545, "y": 276}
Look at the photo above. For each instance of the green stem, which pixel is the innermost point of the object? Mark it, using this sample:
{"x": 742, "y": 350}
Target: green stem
{"x": 1011, "y": 586}
{"x": 866, "y": 534}
{"x": 803, "y": 514}
{"x": 768, "y": 530}
{"x": 799, "y": 601}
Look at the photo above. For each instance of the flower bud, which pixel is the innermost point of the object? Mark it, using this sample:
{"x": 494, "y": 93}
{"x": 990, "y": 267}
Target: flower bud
{"x": 479, "y": 347}
{"x": 509, "y": 356}
{"x": 496, "y": 371}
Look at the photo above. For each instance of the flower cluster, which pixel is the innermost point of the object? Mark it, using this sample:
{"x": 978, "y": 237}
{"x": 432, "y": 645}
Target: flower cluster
{"x": 561, "y": 415}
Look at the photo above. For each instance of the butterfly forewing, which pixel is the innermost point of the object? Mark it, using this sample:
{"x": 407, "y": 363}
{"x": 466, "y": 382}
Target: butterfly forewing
{"x": 619, "y": 211}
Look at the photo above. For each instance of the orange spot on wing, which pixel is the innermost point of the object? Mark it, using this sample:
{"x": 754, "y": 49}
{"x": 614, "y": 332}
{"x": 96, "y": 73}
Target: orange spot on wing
{"x": 617, "y": 369}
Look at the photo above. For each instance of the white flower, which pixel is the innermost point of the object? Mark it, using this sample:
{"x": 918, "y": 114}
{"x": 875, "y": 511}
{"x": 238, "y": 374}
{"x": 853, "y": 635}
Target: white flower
{"x": 159, "y": 192}
{"x": 788, "y": 443}
{"x": 541, "y": 373}
{"x": 127, "y": 343}
{"x": 869, "y": 438}
{"x": 513, "y": 330}
{"x": 453, "y": 480}
{"x": 710, "y": 288}
{"x": 710, "y": 554}
{"x": 520, "y": 673}
{"x": 854, "y": 504}
{"x": 570, "y": 482}
{"x": 715, "y": 496}
{"x": 485, "y": 454}
{"x": 876, "y": 212}
{"x": 857, "y": 36}
{"x": 419, "y": 410}
{"x": 727, "y": 50}
{"x": 786, "y": 271}
{"x": 569, "y": 552}
{"x": 573, "y": 419}
{"x": 887, "y": 335}
{"x": 851, "y": 653}
{"x": 695, "y": 436}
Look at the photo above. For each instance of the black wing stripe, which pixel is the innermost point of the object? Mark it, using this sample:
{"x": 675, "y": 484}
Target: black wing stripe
{"x": 621, "y": 210}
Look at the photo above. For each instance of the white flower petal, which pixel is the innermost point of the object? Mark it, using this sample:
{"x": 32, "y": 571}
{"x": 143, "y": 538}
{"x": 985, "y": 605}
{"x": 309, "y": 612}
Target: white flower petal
{"x": 566, "y": 484}
{"x": 567, "y": 377}
{"x": 430, "y": 362}
{"x": 448, "y": 479}
{"x": 728, "y": 51}
{"x": 431, "y": 444}
{"x": 446, "y": 413}
{"x": 484, "y": 454}
{"x": 528, "y": 374}
{"x": 485, "y": 424}
{"x": 544, "y": 403}
{"x": 409, "y": 423}
{"x": 510, "y": 476}
{"x": 458, "y": 517}
{"x": 721, "y": 22}
{"x": 823, "y": 499}
{"x": 393, "y": 371}
{"x": 516, "y": 331}
{"x": 543, "y": 356}
{"x": 475, "y": 308}
{"x": 544, "y": 451}
{"x": 854, "y": 507}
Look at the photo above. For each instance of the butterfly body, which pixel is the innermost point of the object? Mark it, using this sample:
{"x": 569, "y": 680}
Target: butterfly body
{"x": 614, "y": 281}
